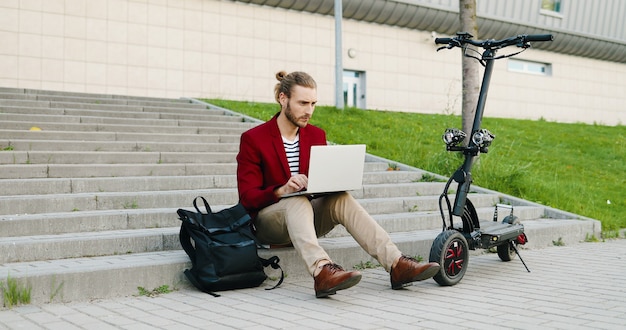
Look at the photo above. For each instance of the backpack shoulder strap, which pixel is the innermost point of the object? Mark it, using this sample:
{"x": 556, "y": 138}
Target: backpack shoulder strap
{"x": 273, "y": 262}
{"x": 185, "y": 242}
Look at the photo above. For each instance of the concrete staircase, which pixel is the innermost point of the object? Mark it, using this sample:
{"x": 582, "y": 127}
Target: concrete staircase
{"x": 90, "y": 185}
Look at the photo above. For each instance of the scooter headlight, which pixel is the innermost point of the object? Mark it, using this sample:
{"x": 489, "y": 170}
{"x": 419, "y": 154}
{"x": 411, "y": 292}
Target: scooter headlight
{"x": 482, "y": 138}
{"x": 453, "y": 136}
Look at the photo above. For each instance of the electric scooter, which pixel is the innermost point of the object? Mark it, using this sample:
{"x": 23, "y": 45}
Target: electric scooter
{"x": 451, "y": 247}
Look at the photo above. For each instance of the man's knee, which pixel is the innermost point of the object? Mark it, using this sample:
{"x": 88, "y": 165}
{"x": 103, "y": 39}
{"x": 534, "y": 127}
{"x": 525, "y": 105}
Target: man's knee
{"x": 297, "y": 207}
{"x": 295, "y": 201}
{"x": 343, "y": 200}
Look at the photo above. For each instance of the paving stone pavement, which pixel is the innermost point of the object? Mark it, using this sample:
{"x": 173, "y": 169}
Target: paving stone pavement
{"x": 580, "y": 286}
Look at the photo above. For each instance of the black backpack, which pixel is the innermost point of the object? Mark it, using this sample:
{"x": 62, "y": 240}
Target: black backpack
{"x": 224, "y": 250}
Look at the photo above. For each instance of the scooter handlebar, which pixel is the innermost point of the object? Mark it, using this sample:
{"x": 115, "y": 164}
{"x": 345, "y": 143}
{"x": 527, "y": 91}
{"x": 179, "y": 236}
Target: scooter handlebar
{"x": 519, "y": 40}
{"x": 539, "y": 37}
{"x": 443, "y": 40}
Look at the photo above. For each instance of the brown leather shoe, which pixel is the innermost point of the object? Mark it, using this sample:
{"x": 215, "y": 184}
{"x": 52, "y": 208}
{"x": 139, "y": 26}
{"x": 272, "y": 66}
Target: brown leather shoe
{"x": 332, "y": 278}
{"x": 409, "y": 270}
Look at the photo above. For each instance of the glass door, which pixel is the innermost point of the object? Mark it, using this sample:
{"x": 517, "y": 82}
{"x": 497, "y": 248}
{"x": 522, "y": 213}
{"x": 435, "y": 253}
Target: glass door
{"x": 354, "y": 89}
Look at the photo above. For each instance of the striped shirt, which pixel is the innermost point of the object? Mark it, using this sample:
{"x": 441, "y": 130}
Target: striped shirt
{"x": 292, "y": 149}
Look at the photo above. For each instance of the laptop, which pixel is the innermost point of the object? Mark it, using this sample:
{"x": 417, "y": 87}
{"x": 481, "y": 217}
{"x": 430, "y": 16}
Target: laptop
{"x": 334, "y": 168}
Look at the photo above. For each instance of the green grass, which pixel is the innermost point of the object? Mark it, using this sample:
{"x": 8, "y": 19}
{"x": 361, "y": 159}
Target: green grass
{"x": 577, "y": 168}
{"x": 163, "y": 289}
{"x": 15, "y": 293}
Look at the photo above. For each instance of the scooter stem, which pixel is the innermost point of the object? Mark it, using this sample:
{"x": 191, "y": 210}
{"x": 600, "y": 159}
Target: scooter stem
{"x": 464, "y": 174}
{"x": 489, "y": 55}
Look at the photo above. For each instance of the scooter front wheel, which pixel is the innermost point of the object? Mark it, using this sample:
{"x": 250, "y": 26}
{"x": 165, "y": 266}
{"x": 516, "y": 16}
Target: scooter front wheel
{"x": 450, "y": 250}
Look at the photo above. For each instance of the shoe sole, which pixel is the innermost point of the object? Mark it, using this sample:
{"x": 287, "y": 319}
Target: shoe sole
{"x": 352, "y": 281}
{"x": 426, "y": 274}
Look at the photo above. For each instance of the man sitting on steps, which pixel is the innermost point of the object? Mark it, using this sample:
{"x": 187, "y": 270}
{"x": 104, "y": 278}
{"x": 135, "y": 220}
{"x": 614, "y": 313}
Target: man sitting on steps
{"x": 273, "y": 161}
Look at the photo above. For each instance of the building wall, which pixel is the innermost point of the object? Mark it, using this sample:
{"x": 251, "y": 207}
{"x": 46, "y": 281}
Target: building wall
{"x": 231, "y": 50}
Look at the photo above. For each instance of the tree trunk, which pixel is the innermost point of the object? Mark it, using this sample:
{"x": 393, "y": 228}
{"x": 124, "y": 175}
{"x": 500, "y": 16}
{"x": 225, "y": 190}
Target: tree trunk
{"x": 471, "y": 76}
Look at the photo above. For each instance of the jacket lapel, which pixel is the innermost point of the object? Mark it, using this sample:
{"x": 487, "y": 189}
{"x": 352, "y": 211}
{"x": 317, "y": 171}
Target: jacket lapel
{"x": 305, "y": 151}
{"x": 279, "y": 148}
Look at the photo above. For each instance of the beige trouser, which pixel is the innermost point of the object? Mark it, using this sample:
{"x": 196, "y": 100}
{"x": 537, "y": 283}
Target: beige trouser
{"x": 301, "y": 222}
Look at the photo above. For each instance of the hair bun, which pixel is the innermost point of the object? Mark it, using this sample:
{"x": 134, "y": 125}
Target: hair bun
{"x": 280, "y": 75}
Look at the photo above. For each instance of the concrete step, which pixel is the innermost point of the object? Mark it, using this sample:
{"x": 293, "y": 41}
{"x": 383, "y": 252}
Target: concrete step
{"x": 99, "y": 242}
{"x": 403, "y": 204}
{"x": 52, "y": 223}
{"x": 23, "y": 218}
{"x": 127, "y": 118}
{"x": 122, "y": 219}
{"x": 6, "y": 94}
{"x": 397, "y": 189}
{"x": 100, "y": 103}
{"x": 125, "y": 146}
{"x": 375, "y": 173}
{"x": 52, "y": 120}
{"x": 65, "y": 280}
{"x": 32, "y": 106}
{"x": 76, "y": 279}
{"x": 60, "y": 101}
{"x": 38, "y": 92}
{"x": 13, "y": 187}
{"x": 114, "y": 136}
{"x": 138, "y": 106}
{"x": 193, "y": 128}
{"x": 57, "y": 196}
{"x": 427, "y": 220}
{"x": 42, "y": 186}
{"x": 79, "y": 99}
{"x": 30, "y": 171}
{"x": 345, "y": 251}
{"x": 43, "y": 180}
{"x": 199, "y": 114}
{"x": 133, "y": 232}
{"x": 58, "y": 202}
{"x": 112, "y": 157}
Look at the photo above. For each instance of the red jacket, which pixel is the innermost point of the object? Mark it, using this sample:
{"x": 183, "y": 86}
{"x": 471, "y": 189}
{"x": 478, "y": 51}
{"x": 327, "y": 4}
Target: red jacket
{"x": 262, "y": 162}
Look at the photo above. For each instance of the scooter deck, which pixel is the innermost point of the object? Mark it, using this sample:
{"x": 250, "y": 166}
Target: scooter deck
{"x": 500, "y": 233}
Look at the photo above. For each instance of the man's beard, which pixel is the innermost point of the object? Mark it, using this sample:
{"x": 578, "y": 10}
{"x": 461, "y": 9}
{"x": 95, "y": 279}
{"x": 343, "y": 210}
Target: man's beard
{"x": 293, "y": 118}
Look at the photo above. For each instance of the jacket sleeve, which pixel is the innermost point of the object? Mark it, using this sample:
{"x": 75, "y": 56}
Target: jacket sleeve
{"x": 254, "y": 192}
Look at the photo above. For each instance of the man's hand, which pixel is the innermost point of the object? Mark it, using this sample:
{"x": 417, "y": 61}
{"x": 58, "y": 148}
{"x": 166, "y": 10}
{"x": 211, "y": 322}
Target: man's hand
{"x": 296, "y": 183}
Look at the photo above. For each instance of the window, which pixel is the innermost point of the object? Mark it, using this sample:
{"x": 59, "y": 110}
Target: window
{"x": 538, "y": 68}
{"x": 551, "y": 5}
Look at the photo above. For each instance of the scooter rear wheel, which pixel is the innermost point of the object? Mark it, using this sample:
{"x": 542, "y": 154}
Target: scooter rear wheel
{"x": 450, "y": 250}
{"x": 506, "y": 252}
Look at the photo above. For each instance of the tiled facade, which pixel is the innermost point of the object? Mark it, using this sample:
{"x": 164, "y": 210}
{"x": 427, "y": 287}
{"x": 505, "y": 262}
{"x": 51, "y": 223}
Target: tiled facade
{"x": 231, "y": 50}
